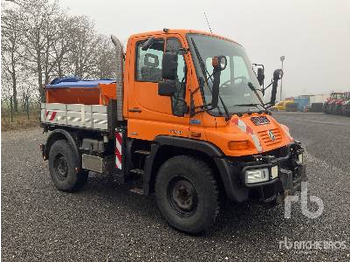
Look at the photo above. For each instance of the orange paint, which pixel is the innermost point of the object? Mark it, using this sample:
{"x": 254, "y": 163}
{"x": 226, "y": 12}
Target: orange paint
{"x": 149, "y": 115}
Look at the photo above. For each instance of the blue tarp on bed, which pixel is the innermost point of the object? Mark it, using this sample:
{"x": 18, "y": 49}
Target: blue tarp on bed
{"x": 73, "y": 82}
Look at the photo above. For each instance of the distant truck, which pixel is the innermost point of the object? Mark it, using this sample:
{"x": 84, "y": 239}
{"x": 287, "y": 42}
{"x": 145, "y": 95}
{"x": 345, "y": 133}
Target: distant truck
{"x": 345, "y": 110}
{"x": 184, "y": 119}
{"x": 333, "y": 105}
{"x": 282, "y": 105}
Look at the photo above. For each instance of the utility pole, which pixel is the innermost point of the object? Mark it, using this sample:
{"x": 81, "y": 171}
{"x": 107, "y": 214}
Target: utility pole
{"x": 282, "y": 58}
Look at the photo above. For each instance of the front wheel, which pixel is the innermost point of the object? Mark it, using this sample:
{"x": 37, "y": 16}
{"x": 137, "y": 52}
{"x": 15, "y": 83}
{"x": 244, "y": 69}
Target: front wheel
{"x": 62, "y": 165}
{"x": 187, "y": 194}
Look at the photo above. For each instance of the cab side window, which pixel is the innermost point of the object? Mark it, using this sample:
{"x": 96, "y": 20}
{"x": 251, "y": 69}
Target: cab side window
{"x": 177, "y": 101}
{"x": 149, "y": 62}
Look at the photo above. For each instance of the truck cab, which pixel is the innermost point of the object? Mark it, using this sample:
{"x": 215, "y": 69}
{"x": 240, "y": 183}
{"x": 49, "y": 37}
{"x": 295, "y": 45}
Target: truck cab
{"x": 185, "y": 119}
{"x": 333, "y": 104}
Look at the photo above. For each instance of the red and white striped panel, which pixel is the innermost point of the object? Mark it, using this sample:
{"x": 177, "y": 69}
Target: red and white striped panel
{"x": 118, "y": 149}
{"x": 247, "y": 129}
{"x": 50, "y": 115}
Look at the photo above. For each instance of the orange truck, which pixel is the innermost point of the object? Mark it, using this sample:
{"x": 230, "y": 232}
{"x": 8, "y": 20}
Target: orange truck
{"x": 184, "y": 119}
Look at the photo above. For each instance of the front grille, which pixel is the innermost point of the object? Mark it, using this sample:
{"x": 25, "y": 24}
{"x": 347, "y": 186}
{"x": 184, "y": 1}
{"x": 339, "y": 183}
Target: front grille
{"x": 260, "y": 120}
{"x": 266, "y": 139}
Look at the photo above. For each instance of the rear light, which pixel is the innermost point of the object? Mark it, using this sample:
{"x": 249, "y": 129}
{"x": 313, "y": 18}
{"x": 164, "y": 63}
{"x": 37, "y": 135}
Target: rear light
{"x": 238, "y": 145}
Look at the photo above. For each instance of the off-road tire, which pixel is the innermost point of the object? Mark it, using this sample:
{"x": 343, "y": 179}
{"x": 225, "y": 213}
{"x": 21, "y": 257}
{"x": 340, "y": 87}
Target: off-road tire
{"x": 191, "y": 172}
{"x": 62, "y": 164}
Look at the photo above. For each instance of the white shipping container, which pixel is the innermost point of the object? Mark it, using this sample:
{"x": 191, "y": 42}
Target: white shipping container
{"x": 319, "y": 98}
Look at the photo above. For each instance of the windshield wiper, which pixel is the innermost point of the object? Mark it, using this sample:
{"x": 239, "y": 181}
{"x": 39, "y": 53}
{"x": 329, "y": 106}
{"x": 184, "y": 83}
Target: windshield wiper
{"x": 205, "y": 72}
{"x": 254, "y": 89}
{"x": 248, "y": 105}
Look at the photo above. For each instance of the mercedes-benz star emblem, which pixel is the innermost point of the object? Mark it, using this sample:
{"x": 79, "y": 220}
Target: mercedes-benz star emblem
{"x": 271, "y": 135}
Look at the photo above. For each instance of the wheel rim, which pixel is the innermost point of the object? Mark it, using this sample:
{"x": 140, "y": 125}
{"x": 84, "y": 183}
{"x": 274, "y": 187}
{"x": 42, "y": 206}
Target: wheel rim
{"x": 182, "y": 196}
{"x": 61, "y": 167}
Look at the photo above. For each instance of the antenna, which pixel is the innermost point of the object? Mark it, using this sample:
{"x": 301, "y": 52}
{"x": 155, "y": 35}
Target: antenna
{"x": 208, "y": 24}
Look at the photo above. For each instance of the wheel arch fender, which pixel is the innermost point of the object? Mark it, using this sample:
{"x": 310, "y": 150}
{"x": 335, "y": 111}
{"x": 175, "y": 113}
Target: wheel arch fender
{"x": 165, "y": 143}
{"x": 61, "y": 134}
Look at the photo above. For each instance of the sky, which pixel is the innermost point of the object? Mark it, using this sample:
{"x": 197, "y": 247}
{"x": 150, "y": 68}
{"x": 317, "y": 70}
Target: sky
{"x": 313, "y": 35}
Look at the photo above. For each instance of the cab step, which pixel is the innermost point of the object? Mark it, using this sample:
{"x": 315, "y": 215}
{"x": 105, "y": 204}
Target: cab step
{"x": 137, "y": 171}
{"x": 137, "y": 190}
{"x": 142, "y": 152}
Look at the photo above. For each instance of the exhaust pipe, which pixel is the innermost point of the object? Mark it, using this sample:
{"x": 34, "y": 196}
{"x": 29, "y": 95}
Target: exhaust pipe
{"x": 119, "y": 76}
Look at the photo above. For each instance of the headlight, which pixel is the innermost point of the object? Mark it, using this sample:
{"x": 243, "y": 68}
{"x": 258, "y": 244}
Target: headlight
{"x": 256, "y": 175}
{"x": 301, "y": 158}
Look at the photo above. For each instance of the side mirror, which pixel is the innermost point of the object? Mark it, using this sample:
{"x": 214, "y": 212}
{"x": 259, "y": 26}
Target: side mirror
{"x": 169, "y": 66}
{"x": 219, "y": 64}
{"x": 261, "y": 76}
{"x": 166, "y": 88}
{"x": 277, "y": 75}
{"x": 149, "y": 42}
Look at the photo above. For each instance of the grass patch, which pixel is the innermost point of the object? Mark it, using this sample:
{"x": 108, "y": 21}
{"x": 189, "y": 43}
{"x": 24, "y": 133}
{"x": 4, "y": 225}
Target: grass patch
{"x": 20, "y": 121}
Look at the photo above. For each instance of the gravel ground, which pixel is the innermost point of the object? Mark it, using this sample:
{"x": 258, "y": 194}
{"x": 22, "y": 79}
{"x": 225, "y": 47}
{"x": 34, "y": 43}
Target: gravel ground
{"x": 107, "y": 223}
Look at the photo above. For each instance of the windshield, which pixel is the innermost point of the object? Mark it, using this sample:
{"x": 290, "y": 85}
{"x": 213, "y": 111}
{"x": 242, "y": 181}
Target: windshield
{"x": 338, "y": 95}
{"x": 234, "y": 89}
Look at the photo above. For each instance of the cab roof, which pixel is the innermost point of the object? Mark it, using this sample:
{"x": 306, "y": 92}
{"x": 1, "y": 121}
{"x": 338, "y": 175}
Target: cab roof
{"x": 182, "y": 32}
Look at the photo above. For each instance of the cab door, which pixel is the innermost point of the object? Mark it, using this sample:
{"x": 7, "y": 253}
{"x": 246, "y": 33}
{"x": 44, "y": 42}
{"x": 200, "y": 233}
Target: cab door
{"x": 150, "y": 114}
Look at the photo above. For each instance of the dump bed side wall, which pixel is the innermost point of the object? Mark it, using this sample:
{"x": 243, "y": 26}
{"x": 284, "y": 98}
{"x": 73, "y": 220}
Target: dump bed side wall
{"x": 88, "y": 92}
{"x": 107, "y": 92}
{"x": 75, "y": 115}
{"x": 87, "y": 96}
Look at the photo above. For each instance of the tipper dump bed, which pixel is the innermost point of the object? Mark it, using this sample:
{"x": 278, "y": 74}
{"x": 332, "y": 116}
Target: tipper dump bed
{"x": 77, "y": 91}
{"x": 78, "y": 103}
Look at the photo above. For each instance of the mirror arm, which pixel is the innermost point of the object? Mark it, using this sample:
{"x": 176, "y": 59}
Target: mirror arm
{"x": 265, "y": 88}
{"x": 184, "y": 101}
{"x": 193, "y": 108}
{"x": 202, "y": 109}
{"x": 179, "y": 99}
{"x": 182, "y": 51}
{"x": 268, "y": 104}
{"x": 148, "y": 43}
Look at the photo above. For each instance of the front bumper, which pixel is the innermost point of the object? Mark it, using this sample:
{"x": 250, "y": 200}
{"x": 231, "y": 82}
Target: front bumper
{"x": 291, "y": 172}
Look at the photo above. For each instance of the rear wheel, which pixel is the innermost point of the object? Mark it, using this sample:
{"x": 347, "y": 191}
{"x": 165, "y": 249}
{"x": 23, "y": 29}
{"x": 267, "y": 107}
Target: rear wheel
{"x": 187, "y": 194}
{"x": 62, "y": 164}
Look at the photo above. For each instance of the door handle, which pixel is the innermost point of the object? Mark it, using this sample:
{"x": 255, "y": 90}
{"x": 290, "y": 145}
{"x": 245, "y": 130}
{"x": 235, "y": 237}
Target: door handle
{"x": 135, "y": 110}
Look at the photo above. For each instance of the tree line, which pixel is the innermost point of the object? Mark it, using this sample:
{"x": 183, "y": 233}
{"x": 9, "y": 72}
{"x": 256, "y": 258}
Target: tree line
{"x": 41, "y": 41}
